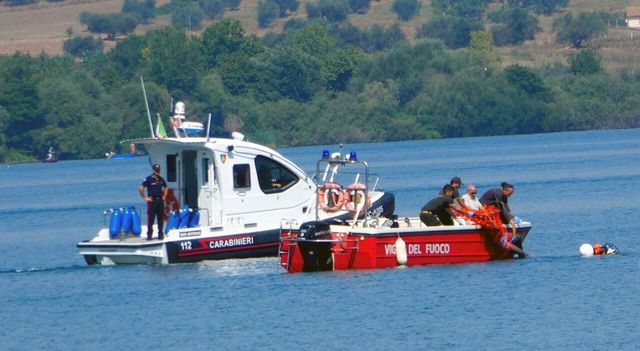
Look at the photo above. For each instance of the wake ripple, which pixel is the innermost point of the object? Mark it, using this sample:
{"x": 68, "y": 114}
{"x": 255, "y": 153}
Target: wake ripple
{"x": 43, "y": 269}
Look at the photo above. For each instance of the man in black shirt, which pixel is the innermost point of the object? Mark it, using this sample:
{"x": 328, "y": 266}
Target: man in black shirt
{"x": 499, "y": 197}
{"x": 156, "y": 194}
{"x": 455, "y": 183}
{"x": 436, "y": 212}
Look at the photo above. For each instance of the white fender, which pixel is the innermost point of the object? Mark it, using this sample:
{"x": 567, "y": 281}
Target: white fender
{"x": 401, "y": 251}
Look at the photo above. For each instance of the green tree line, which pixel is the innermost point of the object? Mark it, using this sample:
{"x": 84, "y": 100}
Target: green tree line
{"x": 307, "y": 85}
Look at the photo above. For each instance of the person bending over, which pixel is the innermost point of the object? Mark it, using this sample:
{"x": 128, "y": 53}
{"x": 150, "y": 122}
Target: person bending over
{"x": 499, "y": 197}
{"x": 436, "y": 211}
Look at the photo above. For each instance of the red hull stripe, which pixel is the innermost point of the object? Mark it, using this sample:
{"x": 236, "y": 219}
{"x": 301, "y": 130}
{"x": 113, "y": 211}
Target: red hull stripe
{"x": 237, "y": 248}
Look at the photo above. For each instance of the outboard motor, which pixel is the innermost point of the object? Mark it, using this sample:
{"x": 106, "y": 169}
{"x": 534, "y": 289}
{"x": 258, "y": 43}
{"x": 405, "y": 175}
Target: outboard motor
{"x": 316, "y": 254}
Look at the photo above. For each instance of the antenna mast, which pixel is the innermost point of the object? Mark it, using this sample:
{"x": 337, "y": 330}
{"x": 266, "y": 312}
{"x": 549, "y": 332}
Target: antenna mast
{"x": 146, "y": 103}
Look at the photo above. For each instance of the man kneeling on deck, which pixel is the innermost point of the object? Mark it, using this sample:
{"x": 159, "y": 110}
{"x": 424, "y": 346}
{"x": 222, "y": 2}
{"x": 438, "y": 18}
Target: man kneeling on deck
{"x": 436, "y": 212}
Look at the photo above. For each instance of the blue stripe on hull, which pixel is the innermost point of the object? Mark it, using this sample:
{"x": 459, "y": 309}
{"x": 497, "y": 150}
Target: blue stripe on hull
{"x": 260, "y": 244}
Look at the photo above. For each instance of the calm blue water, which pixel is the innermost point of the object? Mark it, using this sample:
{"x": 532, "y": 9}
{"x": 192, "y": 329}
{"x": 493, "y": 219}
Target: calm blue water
{"x": 574, "y": 187}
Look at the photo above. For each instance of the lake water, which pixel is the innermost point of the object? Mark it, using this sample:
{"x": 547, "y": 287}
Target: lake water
{"x": 574, "y": 187}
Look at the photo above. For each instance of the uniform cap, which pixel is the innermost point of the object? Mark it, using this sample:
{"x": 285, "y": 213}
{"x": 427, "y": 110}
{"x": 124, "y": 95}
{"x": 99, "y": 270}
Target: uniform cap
{"x": 156, "y": 167}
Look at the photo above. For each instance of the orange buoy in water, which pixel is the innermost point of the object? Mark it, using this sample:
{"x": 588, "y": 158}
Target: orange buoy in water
{"x": 597, "y": 249}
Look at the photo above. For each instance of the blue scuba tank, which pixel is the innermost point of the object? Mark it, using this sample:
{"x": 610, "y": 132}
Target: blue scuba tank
{"x": 185, "y": 213}
{"x": 115, "y": 222}
{"x": 127, "y": 220}
{"x": 194, "y": 221}
{"x": 174, "y": 220}
{"x": 136, "y": 225}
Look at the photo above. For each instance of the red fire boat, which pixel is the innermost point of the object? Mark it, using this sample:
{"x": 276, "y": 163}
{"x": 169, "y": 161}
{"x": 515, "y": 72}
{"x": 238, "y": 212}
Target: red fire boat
{"x": 319, "y": 246}
{"x": 368, "y": 242}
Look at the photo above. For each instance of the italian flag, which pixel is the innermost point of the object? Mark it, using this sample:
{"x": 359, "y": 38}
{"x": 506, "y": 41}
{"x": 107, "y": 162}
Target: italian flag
{"x": 160, "y": 131}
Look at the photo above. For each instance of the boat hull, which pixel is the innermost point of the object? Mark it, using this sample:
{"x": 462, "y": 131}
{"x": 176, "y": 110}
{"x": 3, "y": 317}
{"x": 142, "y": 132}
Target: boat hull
{"x": 180, "y": 245}
{"x": 347, "y": 249}
{"x": 195, "y": 244}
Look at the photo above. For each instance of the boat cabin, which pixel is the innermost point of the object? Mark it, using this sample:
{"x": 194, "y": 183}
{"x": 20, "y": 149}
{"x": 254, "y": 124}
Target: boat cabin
{"x": 230, "y": 181}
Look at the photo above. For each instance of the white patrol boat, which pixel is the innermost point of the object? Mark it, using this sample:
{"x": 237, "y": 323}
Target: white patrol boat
{"x": 238, "y": 194}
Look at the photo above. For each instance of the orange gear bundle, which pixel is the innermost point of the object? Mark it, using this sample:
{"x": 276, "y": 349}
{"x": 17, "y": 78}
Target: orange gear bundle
{"x": 488, "y": 218}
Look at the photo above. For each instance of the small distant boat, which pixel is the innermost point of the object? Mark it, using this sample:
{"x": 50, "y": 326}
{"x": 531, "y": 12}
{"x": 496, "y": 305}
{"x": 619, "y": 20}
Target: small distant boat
{"x": 51, "y": 156}
{"x": 114, "y": 156}
{"x": 132, "y": 153}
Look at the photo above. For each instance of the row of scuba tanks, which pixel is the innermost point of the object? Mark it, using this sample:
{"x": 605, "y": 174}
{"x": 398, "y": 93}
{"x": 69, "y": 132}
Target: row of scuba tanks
{"x": 183, "y": 218}
{"x": 124, "y": 221}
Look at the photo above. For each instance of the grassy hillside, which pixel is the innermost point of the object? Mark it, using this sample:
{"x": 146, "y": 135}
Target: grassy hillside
{"x": 43, "y": 27}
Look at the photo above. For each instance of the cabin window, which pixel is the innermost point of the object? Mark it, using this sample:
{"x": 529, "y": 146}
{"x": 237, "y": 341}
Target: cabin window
{"x": 273, "y": 177}
{"x": 205, "y": 172}
{"x": 171, "y": 168}
{"x": 241, "y": 176}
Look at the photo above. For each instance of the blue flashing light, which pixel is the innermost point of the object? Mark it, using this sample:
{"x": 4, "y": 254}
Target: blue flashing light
{"x": 325, "y": 154}
{"x": 353, "y": 156}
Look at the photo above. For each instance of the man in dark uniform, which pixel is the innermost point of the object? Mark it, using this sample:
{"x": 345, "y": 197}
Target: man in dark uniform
{"x": 436, "y": 212}
{"x": 499, "y": 197}
{"x": 455, "y": 183}
{"x": 156, "y": 194}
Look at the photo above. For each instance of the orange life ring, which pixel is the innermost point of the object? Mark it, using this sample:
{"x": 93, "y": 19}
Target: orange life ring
{"x": 355, "y": 202}
{"x": 170, "y": 204}
{"x": 331, "y": 197}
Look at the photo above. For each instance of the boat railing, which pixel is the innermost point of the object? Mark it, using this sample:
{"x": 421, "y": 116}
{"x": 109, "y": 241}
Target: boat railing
{"x": 374, "y": 178}
{"x": 330, "y": 163}
{"x": 287, "y": 225}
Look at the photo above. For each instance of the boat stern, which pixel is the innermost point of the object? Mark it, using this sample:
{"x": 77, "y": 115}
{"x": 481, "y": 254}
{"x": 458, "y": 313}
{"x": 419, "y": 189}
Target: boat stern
{"x": 125, "y": 250}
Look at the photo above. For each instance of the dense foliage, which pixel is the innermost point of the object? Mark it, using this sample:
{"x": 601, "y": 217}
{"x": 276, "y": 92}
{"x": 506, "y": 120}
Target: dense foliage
{"x": 144, "y": 9}
{"x": 453, "y": 31}
{"x": 576, "y": 30}
{"x": 331, "y": 10}
{"x": 515, "y": 26}
{"x": 81, "y": 46}
{"x": 406, "y": 9}
{"x": 322, "y": 80}
{"x": 110, "y": 24}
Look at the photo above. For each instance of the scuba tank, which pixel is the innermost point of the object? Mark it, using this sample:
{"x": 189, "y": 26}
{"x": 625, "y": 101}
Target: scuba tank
{"x": 173, "y": 222}
{"x": 185, "y": 213}
{"x": 127, "y": 220}
{"x": 194, "y": 220}
{"x": 115, "y": 223}
{"x": 136, "y": 225}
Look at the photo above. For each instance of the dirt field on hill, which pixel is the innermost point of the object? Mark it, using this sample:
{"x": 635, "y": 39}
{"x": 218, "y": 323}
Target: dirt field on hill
{"x": 42, "y": 27}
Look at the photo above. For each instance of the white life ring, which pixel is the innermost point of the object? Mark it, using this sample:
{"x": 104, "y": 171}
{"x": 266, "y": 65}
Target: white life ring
{"x": 331, "y": 197}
